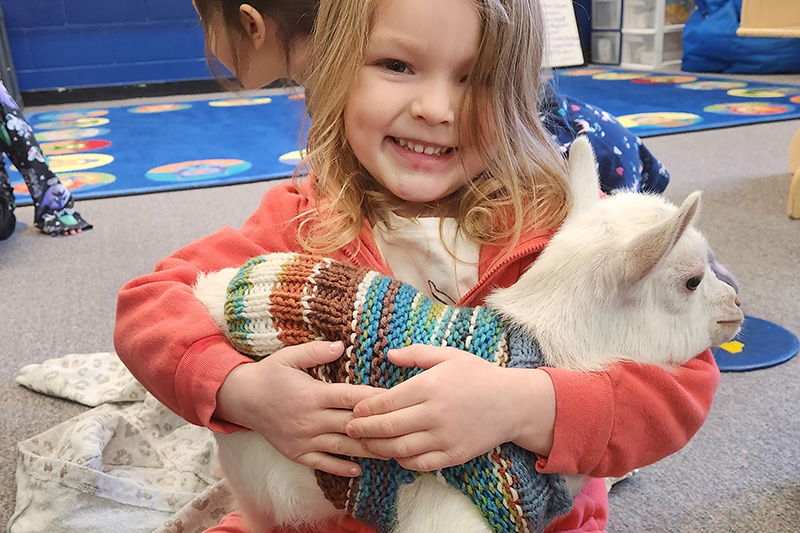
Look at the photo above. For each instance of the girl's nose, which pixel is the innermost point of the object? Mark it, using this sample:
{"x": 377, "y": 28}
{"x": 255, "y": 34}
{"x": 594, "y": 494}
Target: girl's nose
{"x": 436, "y": 103}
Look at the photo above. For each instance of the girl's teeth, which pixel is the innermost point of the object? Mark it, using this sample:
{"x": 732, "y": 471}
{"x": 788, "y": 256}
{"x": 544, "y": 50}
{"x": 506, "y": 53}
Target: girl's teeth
{"x": 419, "y": 149}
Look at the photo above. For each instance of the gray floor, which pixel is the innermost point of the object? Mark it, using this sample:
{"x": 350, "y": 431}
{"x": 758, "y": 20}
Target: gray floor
{"x": 741, "y": 473}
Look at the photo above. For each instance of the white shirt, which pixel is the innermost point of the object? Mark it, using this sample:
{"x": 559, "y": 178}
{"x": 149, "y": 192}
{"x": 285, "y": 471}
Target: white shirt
{"x": 416, "y": 253}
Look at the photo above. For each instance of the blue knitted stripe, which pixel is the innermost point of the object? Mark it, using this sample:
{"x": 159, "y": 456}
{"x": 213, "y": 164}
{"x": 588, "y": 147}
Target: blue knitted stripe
{"x": 239, "y": 324}
{"x": 476, "y": 478}
{"x": 420, "y": 308}
{"x": 378, "y": 486}
{"x": 440, "y": 333}
{"x": 488, "y": 331}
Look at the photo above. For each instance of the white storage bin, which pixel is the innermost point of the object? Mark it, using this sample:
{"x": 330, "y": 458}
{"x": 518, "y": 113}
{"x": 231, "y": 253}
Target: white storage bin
{"x": 638, "y": 49}
{"x": 606, "y": 14}
{"x": 673, "y": 47}
{"x": 605, "y": 47}
{"x": 650, "y": 49}
{"x": 639, "y": 14}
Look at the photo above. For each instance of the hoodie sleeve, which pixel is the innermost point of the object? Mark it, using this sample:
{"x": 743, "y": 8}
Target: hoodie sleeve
{"x": 629, "y": 416}
{"x": 165, "y": 335}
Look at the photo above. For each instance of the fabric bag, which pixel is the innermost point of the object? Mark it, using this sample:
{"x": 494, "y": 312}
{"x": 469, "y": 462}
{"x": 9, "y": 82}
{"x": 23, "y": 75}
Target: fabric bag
{"x": 128, "y": 465}
{"x": 710, "y": 44}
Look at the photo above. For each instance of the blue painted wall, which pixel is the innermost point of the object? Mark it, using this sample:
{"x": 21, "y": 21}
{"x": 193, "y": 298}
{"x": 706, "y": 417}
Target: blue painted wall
{"x": 95, "y": 43}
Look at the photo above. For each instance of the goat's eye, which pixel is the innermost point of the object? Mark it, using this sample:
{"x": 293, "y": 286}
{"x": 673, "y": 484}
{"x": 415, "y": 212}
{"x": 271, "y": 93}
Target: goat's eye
{"x": 694, "y": 282}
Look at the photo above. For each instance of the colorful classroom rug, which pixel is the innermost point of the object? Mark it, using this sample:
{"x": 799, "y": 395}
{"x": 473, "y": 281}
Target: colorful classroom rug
{"x": 658, "y": 103}
{"x": 115, "y": 151}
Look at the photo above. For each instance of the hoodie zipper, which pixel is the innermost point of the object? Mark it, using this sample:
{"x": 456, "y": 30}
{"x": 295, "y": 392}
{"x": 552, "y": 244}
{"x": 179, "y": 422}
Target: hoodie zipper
{"x": 492, "y": 271}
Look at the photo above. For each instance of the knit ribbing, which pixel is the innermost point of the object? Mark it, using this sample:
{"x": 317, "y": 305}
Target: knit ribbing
{"x": 284, "y": 299}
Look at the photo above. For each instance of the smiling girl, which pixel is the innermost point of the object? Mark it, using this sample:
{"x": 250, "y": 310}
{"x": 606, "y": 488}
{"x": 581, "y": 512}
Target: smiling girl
{"x": 428, "y": 162}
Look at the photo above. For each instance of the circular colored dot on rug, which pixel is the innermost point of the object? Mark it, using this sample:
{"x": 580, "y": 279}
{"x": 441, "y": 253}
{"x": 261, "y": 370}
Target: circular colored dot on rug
{"x": 86, "y": 122}
{"x": 712, "y": 85}
{"x": 67, "y": 116}
{"x": 238, "y": 102}
{"x": 74, "y": 162}
{"x": 659, "y": 120}
{"x": 198, "y": 170}
{"x": 665, "y": 79}
{"x": 70, "y": 134}
{"x": 748, "y": 108}
{"x": 51, "y": 148}
{"x": 158, "y": 108}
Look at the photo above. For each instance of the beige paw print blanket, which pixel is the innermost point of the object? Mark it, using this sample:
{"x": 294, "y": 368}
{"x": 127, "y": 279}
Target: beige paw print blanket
{"x": 128, "y": 463}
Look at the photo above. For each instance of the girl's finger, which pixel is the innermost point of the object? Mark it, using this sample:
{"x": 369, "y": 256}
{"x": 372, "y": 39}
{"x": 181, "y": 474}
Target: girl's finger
{"x": 330, "y": 464}
{"x": 307, "y": 355}
{"x": 422, "y": 356}
{"x": 338, "y": 444}
{"x": 409, "y": 420}
{"x": 406, "y": 394}
{"x": 346, "y": 396}
{"x": 429, "y": 461}
{"x": 332, "y": 421}
{"x": 406, "y": 446}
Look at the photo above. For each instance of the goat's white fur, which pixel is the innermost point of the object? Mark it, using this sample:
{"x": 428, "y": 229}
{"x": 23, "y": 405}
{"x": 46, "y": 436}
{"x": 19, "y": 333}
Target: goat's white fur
{"x": 610, "y": 285}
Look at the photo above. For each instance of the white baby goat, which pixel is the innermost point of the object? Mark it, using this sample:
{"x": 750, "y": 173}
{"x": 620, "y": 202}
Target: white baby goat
{"x": 625, "y": 278}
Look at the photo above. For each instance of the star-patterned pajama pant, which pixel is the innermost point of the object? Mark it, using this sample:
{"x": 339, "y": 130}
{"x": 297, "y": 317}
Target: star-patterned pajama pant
{"x": 54, "y": 211}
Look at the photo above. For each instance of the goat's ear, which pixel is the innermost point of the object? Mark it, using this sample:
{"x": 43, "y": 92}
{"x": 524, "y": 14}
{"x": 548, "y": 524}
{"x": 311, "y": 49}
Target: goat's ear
{"x": 584, "y": 180}
{"x": 647, "y": 250}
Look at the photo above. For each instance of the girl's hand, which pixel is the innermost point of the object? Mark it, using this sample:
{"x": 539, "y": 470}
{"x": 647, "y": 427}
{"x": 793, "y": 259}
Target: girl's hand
{"x": 303, "y": 418}
{"x": 460, "y": 407}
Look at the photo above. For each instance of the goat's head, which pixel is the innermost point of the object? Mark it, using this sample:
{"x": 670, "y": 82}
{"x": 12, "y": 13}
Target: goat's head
{"x": 625, "y": 277}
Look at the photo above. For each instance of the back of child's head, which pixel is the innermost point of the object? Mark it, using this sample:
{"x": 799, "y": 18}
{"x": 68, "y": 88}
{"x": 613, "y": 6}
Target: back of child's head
{"x": 524, "y": 183}
{"x": 293, "y": 19}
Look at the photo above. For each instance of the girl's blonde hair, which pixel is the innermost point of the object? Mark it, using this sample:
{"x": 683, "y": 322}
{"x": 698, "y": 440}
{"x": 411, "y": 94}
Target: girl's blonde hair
{"x": 524, "y": 183}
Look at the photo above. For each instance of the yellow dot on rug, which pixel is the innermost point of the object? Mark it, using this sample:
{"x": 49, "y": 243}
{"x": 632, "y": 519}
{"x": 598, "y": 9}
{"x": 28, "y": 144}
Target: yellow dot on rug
{"x": 732, "y": 347}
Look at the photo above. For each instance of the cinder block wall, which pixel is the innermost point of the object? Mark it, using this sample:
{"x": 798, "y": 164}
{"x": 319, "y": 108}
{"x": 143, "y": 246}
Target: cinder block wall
{"x": 95, "y": 43}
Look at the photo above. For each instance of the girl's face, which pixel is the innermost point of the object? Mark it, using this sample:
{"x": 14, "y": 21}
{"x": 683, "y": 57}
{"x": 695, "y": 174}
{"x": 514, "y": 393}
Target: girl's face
{"x": 402, "y": 108}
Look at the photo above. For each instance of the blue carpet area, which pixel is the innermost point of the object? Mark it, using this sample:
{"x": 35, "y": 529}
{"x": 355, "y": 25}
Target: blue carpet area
{"x": 653, "y": 103}
{"x": 132, "y": 150}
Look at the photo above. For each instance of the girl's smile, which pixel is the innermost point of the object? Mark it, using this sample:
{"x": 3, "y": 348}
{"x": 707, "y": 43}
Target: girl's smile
{"x": 422, "y": 157}
{"x": 422, "y": 148}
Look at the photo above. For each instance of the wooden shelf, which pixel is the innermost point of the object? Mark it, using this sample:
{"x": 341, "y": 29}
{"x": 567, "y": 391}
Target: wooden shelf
{"x": 770, "y": 18}
{"x": 786, "y": 31}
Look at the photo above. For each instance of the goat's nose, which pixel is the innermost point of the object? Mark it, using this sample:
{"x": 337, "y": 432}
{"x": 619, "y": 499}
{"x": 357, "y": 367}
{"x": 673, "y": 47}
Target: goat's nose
{"x": 737, "y": 302}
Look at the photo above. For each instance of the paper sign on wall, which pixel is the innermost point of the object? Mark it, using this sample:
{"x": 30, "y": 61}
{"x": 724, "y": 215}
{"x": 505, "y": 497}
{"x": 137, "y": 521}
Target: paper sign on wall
{"x": 563, "y": 42}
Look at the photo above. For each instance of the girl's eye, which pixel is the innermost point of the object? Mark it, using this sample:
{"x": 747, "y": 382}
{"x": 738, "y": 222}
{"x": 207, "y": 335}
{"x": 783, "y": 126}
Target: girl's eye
{"x": 395, "y": 65}
{"x": 694, "y": 282}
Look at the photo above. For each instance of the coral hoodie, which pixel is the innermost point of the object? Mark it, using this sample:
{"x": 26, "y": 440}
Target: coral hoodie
{"x": 607, "y": 423}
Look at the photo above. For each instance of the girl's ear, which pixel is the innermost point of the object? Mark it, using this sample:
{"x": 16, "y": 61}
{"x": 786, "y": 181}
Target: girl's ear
{"x": 254, "y": 24}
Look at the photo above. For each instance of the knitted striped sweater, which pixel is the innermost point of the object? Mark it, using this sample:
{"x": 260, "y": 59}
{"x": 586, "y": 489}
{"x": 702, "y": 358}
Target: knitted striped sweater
{"x": 284, "y": 299}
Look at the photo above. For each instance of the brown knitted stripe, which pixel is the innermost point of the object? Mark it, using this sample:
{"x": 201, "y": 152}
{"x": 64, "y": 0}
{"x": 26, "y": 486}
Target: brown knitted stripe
{"x": 331, "y": 309}
{"x": 285, "y": 301}
{"x": 387, "y": 314}
{"x": 335, "y": 488}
